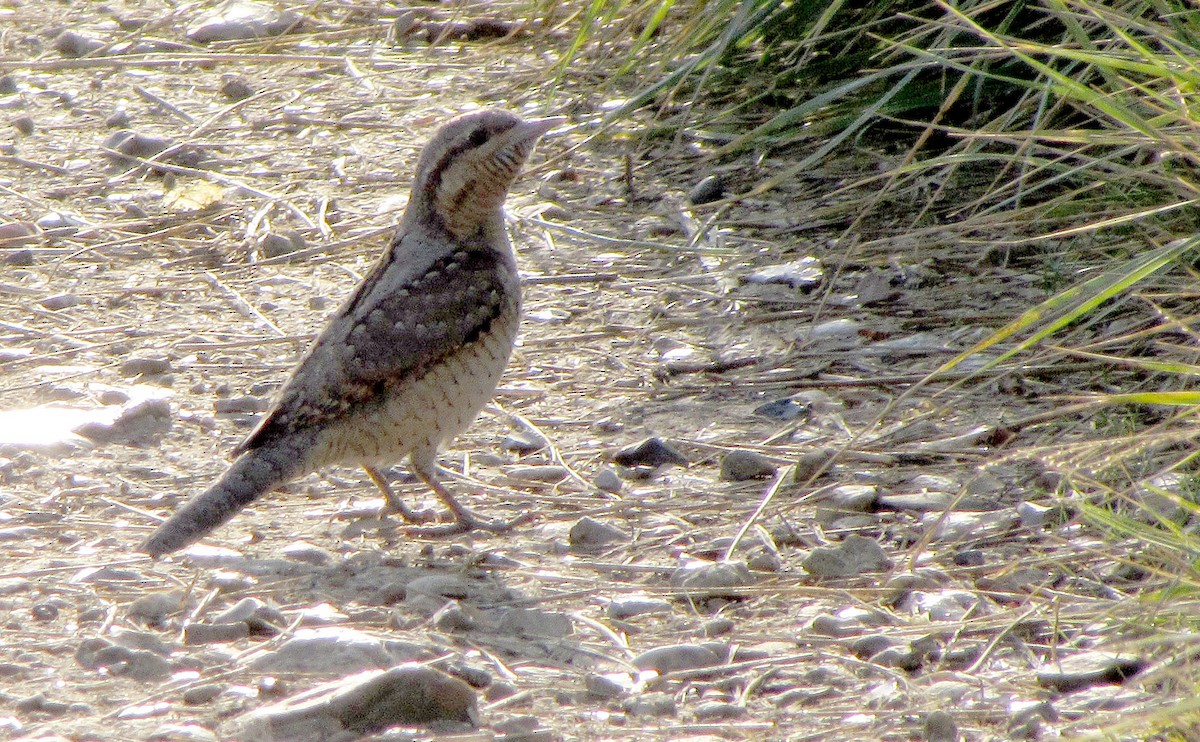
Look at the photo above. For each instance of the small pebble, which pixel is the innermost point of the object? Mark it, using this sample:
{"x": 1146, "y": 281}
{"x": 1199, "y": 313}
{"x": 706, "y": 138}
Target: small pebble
{"x": 8, "y": 85}
{"x": 1080, "y": 671}
{"x": 72, "y": 44}
{"x": 781, "y": 409}
{"x": 868, "y": 646}
{"x": 649, "y": 704}
{"x": 523, "y": 443}
{"x": 607, "y": 480}
{"x": 118, "y": 119}
{"x": 59, "y": 225}
{"x": 546, "y": 473}
{"x": 144, "y": 366}
{"x": 707, "y": 190}
{"x": 19, "y": 257}
{"x": 127, "y": 145}
{"x": 805, "y": 273}
{"x": 44, "y": 611}
{"x": 197, "y": 634}
{"x": 602, "y": 687}
{"x": 202, "y": 694}
{"x": 677, "y": 657}
{"x": 705, "y": 580}
{"x": 650, "y": 452}
{"x": 741, "y": 465}
{"x": 813, "y": 463}
{"x": 854, "y": 556}
{"x": 635, "y": 605}
{"x": 59, "y": 301}
{"x": 154, "y": 607}
{"x": 24, "y": 124}
{"x": 589, "y": 534}
{"x": 235, "y": 87}
{"x": 14, "y": 234}
{"x": 239, "y": 405}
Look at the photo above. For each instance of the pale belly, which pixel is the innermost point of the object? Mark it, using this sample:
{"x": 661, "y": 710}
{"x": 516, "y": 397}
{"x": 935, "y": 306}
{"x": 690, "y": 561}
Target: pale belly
{"x": 420, "y": 416}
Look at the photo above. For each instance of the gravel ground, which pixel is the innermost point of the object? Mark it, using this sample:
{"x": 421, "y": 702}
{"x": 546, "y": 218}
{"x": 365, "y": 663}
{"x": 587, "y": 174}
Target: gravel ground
{"x": 810, "y": 544}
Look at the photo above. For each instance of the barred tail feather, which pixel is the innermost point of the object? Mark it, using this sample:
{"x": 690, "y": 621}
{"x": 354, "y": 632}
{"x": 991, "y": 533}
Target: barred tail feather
{"x": 251, "y": 476}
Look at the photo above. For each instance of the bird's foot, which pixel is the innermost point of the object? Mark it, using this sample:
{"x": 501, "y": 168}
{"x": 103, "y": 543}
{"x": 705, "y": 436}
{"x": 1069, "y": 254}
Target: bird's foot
{"x": 408, "y": 514}
{"x": 467, "y": 521}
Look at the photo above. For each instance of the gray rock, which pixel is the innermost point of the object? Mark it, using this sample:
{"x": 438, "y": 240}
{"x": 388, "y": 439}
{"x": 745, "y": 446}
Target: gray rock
{"x": 716, "y": 627}
{"x": 427, "y": 594}
{"x": 17, "y": 234}
{"x": 636, "y": 605}
{"x": 138, "y": 664}
{"x": 18, "y": 533}
{"x": 153, "y": 608}
{"x": 1084, "y": 670}
{"x": 235, "y": 87}
{"x": 814, "y": 463}
{"x": 1033, "y": 515}
{"x": 856, "y": 498}
{"x": 57, "y": 224}
{"x": 854, "y": 556}
{"x": 197, "y": 633}
{"x": 126, "y": 146}
{"x": 139, "y": 424}
{"x": 868, "y": 646}
{"x": 323, "y": 650}
{"x": 524, "y": 442}
{"x": 239, "y": 405}
{"x": 834, "y": 626}
{"x": 532, "y": 623}
{"x": 242, "y": 19}
{"x": 709, "y": 189}
{"x": 705, "y": 580}
{"x": 602, "y": 686}
{"x": 741, "y": 465}
{"x": 543, "y": 473}
{"x": 678, "y": 657}
{"x": 608, "y": 481}
{"x": 650, "y": 452}
{"x": 362, "y": 704}
{"x": 302, "y": 551}
{"x": 804, "y": 273}
{"x": 274, "y": 245}
{"x": 57, "y": 302}
{"x": 182, "y": 733}
{"x": 72, "y": 44}
{"x": 589, "y": 534}
{"x": 939, "y": 726}
{"x": 649, "y": 704}
{"x": 118, "y": 119}
{"x": 947, "y": 605}
{"x": 260, "y": 618}
{"x": 145, "y": 366}
{"x": 716, "y": 710}
{"x": 784, "y": 410}
{"x": 836, "y": 333}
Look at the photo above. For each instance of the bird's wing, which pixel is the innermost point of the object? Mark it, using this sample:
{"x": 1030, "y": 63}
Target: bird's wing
{"x": 400, "y": 320}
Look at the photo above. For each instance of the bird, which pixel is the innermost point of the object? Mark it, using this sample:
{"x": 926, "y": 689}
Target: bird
{"x": 412, "y": 355}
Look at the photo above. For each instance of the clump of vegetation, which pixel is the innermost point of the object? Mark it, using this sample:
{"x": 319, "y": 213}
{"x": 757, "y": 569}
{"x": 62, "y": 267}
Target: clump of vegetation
{"x": 1054, "y": 137}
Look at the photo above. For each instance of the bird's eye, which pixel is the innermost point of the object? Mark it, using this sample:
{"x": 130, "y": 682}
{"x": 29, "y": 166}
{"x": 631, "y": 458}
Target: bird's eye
{"x": 478, "y": 137}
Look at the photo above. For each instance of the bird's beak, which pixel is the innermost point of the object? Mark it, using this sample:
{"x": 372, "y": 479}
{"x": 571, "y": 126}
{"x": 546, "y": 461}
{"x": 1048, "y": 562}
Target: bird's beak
{"x": 534, "y": 128}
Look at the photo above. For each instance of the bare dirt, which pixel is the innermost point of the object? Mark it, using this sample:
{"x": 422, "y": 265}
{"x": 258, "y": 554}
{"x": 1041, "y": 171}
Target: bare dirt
{"x": 633, "y": 329}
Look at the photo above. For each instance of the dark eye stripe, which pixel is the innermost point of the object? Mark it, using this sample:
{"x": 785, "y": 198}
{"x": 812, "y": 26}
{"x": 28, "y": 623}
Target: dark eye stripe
{"x": 435, "y": 176}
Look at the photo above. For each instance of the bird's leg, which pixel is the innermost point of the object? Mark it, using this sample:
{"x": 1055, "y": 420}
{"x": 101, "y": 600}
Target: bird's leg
{"x": 464, "y": 520}
{"x": 394, "y": 503}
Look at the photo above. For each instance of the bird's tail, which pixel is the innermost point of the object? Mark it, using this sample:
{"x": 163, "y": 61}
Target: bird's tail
{"x": 252, "y": 475}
